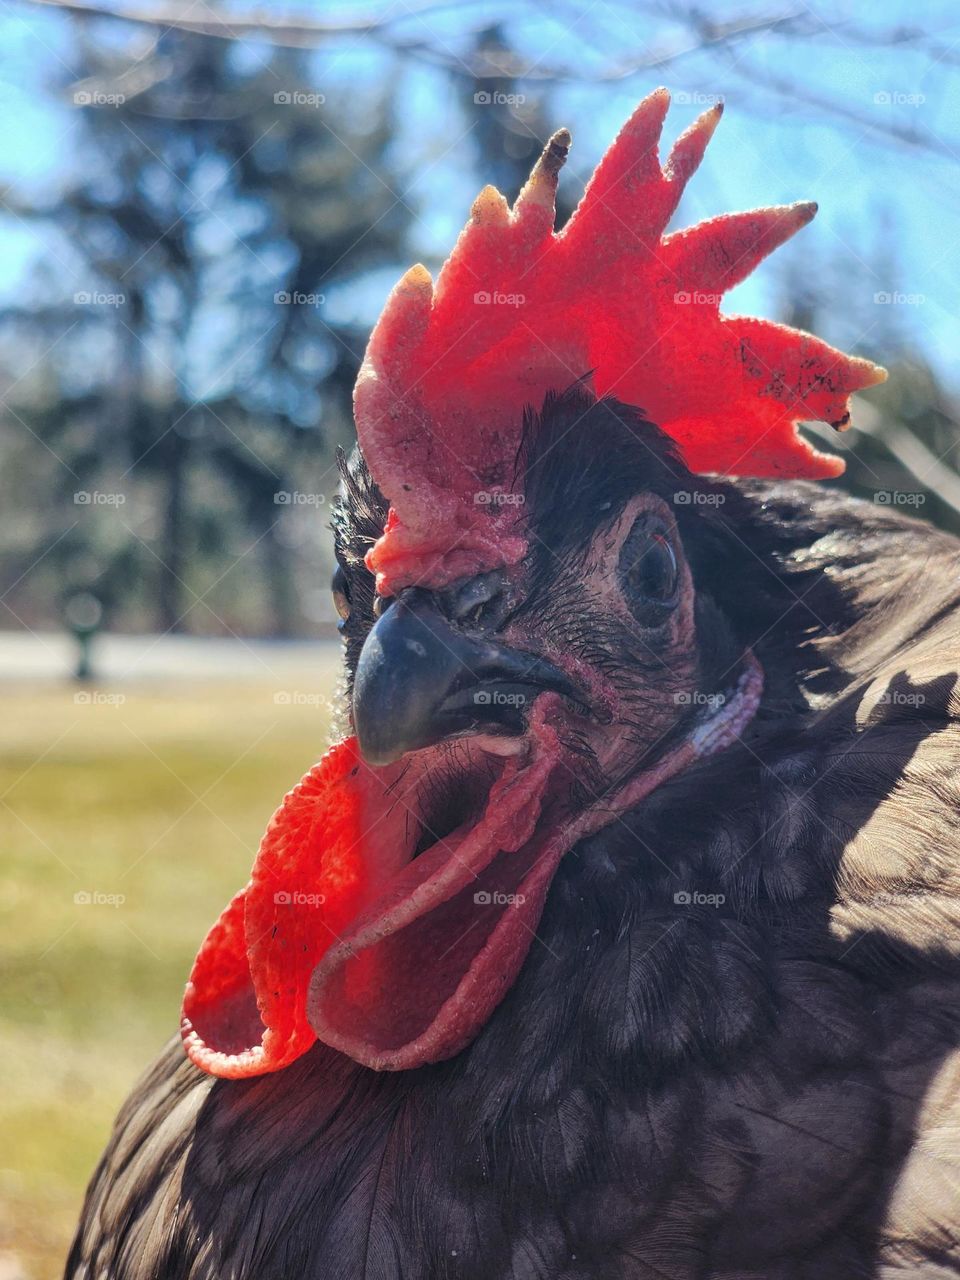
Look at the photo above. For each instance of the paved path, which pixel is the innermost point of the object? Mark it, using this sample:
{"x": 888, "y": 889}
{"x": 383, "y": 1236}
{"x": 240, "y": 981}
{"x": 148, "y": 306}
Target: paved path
{"x": 53, "y": 655}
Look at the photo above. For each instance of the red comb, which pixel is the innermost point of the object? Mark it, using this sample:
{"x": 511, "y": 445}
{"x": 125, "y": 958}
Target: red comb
{"x": 519, "y": 309}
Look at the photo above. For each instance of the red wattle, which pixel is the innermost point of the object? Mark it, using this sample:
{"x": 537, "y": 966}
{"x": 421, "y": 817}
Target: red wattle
{"x": 244, "y": 1010}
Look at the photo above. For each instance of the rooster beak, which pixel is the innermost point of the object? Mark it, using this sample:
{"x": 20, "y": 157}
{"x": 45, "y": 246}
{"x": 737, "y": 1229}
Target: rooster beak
{"x": 422, "y": 678}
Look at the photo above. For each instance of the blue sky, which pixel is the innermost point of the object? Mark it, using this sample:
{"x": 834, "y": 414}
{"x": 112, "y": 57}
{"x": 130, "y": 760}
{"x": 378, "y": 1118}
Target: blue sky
{"x": 888, "y": 221}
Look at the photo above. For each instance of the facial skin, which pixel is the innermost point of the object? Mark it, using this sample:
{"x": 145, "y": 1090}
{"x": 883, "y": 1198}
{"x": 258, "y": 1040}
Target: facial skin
{"x": 603, "y": 610}
{"x": 621, "y": 624}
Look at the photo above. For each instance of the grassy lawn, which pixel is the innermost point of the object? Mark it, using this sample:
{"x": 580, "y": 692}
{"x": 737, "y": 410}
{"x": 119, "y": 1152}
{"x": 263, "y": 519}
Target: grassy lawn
{"x": 160, "y": 798}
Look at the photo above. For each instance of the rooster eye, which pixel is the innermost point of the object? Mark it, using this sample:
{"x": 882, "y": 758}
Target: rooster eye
{"x": 648, "y": 572}
{"x": 341, "y": 593}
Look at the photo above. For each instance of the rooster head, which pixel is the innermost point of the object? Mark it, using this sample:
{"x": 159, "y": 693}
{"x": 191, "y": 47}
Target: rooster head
{"x": 527, "y": 548}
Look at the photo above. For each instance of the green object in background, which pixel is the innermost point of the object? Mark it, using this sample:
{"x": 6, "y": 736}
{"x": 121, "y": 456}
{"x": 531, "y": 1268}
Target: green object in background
{"x": 83, "y": 614}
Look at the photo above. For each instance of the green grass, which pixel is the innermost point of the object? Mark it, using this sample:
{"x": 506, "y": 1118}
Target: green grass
{"x": 161, "y": 799}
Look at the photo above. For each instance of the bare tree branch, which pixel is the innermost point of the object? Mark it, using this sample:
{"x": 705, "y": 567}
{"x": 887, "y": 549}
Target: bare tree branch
{"x": 307, "y": 32}
{"x": 837, "y": 109}
{"x": 703, "y": 35}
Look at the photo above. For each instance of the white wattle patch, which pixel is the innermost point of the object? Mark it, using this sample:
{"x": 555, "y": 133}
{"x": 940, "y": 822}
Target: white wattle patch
{"x": 497, "y": 746}
{"x": 733, "y": 717}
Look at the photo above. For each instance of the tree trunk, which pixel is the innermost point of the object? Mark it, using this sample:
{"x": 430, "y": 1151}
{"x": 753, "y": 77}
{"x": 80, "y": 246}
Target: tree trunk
{"x": 170, "y": 592}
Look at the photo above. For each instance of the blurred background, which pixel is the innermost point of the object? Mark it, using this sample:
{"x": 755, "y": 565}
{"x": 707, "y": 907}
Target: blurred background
{"x": 203, "y": 208}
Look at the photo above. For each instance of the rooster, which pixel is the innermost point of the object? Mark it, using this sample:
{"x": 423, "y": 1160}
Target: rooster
{"x": 618, "y": 939}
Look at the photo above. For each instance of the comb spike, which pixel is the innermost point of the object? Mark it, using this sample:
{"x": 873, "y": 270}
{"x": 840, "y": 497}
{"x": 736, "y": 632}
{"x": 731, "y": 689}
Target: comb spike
{"x": 480, "y": 250}
{"x": 812, "y": 379}
{"x": 535, "y": 209}
{"x": 687, "y": 152}
{"x": 716, "y": 255}
{"x": 490, "y": 209}
{"x": 623, "y": 201}
{"x": 402, "y": 324}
